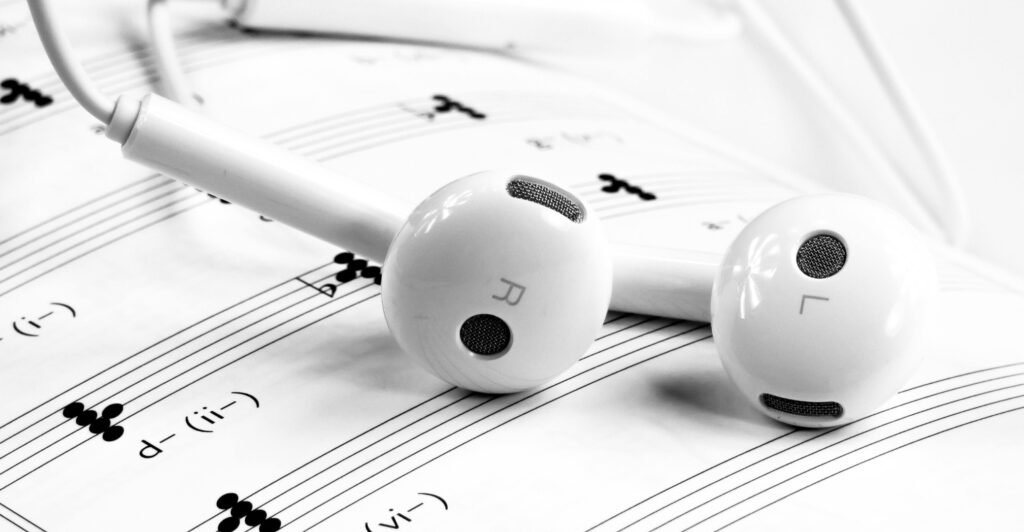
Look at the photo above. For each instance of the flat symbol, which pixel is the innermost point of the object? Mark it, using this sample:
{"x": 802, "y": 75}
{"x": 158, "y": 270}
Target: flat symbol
{"x": 804, "y": 299}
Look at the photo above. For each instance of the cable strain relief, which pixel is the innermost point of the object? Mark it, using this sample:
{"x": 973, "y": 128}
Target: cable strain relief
{"x": 126, "y": 112}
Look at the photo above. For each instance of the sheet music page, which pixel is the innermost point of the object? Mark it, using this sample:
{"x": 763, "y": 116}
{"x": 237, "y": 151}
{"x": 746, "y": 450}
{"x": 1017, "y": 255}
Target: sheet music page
{"x": 174, "y": 362}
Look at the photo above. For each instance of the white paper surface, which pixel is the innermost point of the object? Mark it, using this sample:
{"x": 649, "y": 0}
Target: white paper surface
{"x": 235, "y": 376}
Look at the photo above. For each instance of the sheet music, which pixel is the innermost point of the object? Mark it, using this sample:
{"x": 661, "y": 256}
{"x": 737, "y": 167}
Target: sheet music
{"x": 174, "y": 362}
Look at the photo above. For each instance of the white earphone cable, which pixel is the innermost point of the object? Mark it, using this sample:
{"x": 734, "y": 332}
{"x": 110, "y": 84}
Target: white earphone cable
{"x": 903, "y": 190}
{"x": 70, "y": 71}
{"x": 923, "y": 137}
{"x": 173, "y": 82}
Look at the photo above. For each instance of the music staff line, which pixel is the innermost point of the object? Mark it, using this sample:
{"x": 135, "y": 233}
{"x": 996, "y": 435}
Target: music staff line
{"x": 25, "y": 520}
{"x": 16, "y": 525}
{"x": 146, "y": 201}
{"x": 79, "y": 207}
{"x": 687, "y": 342}
{"x": 460, "y": 395}
{"x": 293, "y": 519}
{"x": 810, "y": 438}
{"x": 777, "y": 484}
{"x": 225, "y": 365}
{"x": 145, "y": 363}
{"x": 612, "y": 318}
{"x": 70, "y": 389}
{"x": 152, "y": 389}
{"x": 581, "y": 370}
{"x": 114, "y": 240}
{"x": 862, "y": 462}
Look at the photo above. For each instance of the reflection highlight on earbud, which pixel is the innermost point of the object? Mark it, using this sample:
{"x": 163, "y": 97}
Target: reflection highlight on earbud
{"x": 759, "y": 268}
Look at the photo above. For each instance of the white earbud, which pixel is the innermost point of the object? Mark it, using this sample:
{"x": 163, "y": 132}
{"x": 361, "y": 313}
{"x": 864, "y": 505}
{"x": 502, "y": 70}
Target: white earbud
{"x": 498, "y": 282}
{"x": 819, "y": 307}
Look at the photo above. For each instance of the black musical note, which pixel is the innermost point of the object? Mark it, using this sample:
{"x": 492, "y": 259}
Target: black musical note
{"x": 353, "y": 268}
{"x": 447, "y": 105}
{"x": 18, "y": 89}
{"x": 615, "y": 184}
{"x": 98, "y": 423}
{"x": 242, "y": 510}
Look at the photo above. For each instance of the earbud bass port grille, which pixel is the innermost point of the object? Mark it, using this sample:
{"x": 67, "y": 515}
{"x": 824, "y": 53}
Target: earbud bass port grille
{"x": 821, "y": 256}
{"x": 802, "y": 408}
{"x": 523, "y": 188}
{"x": 485, "y": 334}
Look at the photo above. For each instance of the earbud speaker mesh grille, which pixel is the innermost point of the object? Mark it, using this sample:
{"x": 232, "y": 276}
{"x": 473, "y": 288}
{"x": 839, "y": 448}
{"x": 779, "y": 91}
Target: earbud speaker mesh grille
{"x": 802, "y": 408}
{"x": 485, "y": 334}
{"x": 530, "y": 190}
{"x": 821, "y": 256}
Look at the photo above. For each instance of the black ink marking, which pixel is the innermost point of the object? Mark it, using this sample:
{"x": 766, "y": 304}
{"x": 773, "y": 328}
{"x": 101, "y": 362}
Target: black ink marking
{"x": 447, "y": 105}
{"x": 250, "y": 396}
{"x": 354, "y": 268}
{"x": 18, "y": 89}
{"x": 615, "y": 184}
{"x": 98, "y": 423}
{"x": 240, "y": 511}
{"x": 436, "y": 497}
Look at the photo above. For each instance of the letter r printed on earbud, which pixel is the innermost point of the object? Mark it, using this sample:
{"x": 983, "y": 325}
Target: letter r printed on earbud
{"x": 513, "y": 295}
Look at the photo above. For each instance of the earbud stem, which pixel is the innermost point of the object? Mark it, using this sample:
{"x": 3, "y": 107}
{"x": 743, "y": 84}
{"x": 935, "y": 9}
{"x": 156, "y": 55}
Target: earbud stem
{"x": 258, "y": 175}
{"x": 663, "y": 282}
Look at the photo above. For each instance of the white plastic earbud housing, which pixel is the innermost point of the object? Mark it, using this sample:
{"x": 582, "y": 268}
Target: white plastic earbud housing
{"x": 500, "y": 247}
{"x": 797, "y": 344}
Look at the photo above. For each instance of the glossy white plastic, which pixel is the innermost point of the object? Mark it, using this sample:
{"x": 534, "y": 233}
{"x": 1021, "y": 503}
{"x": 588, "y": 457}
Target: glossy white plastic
{"x": 671, "y": 283}
{"x": 853, "y": 338}
{"x": 470, "y": 249}
{"x": 256, "y": 174}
